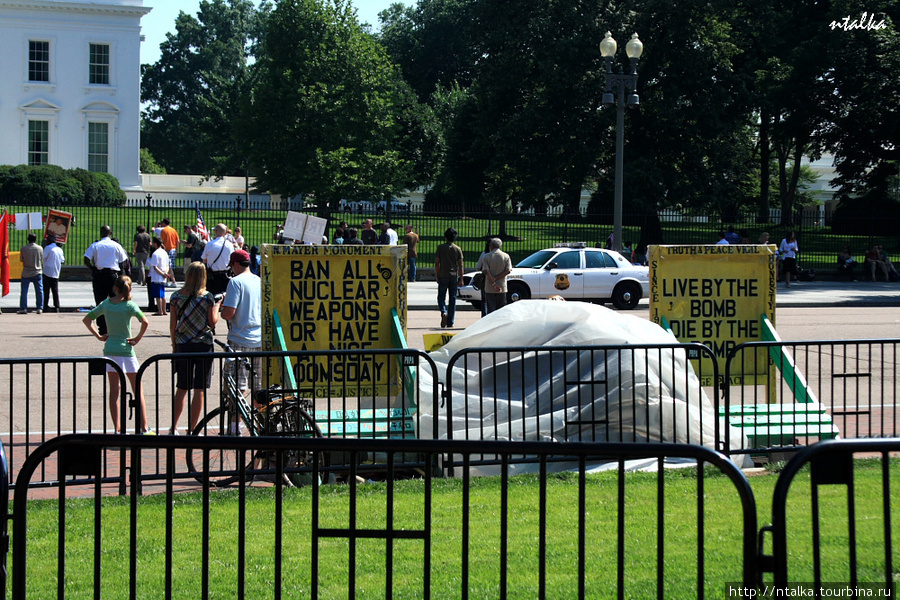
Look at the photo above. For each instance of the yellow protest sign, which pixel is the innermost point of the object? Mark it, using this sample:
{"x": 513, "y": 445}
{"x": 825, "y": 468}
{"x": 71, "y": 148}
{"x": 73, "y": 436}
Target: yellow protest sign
{"x": 335, "y": 298}
{"x": 714, "y": 295}
{"x": 436, "y": 341}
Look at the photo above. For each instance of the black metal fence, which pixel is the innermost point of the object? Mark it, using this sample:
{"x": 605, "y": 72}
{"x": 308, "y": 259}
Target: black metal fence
{"x": 523, "y": 233}
{"x": 43, "y": 398}
{"x": 585, "y": 535}
{"x": 845, "y": 388}
{"x": 826, "y": 477}
{"x": 581, "y": 536}
{"x": 818, "y": 390}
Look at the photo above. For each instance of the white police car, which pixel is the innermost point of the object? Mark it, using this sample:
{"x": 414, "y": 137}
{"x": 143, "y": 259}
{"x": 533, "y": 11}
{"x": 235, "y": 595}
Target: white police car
{"x": 574, "y": 272}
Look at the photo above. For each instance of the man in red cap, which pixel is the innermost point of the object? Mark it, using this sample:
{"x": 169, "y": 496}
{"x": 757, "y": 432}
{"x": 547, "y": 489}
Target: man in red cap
{"x": 242, "y": 308}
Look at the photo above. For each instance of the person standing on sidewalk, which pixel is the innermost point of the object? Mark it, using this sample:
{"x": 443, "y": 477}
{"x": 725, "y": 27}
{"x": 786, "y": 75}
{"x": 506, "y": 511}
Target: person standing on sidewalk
{"x": 496, "y": 266}
{"x": 190, "y": 242}
{"x": 411, "y": 239}
{"x": 170, "y": 240}
{"x": 105, "y": 258}
{"x": 160, "y": 272}
{"x": 141, "y": 249}
{"x": 217, "y": 256}
{"x": 193, "y": 317}
{"x": 118, "y": 345}
{"x": 448, "y": 267}
{"x": 53, "y": 261}
{"x": 789, "y": 251}
{"x": 242, "y": 308}
{"x": 32, "y": 257}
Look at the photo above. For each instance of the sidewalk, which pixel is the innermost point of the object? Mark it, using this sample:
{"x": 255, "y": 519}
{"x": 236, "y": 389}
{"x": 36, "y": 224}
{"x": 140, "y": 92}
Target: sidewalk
{"x": 422, "y": 295}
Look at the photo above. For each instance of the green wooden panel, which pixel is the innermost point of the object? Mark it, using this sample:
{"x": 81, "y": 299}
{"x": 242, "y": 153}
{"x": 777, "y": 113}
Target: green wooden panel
{"x": 785, "y": 362}
{"x": 281, "y": 345}
{"x": 758, "y": 409}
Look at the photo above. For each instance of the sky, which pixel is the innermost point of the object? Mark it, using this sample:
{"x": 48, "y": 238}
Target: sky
{"x": 161, "y": 20}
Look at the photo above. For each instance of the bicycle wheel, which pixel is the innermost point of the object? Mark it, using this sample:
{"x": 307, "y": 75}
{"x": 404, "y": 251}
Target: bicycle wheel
{"x": 288, "y": 418}
{"x": 223, "y": 464}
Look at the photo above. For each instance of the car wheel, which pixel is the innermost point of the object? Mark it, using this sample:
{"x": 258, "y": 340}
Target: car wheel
{"x": 517, "y": 291}
{"x": 626, "y": 296}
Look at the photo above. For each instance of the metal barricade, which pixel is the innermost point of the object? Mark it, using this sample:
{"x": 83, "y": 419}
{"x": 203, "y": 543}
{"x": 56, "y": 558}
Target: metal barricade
{"x": 580, "y": 535}
{"x": 817, "y": 390}
{"x": 640, "y": 392}
{"x": 820, "y": 513}
{"x": 41, "y": 398}
{"x": 349, "y": 393}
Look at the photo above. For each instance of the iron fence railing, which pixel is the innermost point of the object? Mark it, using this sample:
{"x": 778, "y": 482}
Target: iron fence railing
{"x": 523, "y": 233}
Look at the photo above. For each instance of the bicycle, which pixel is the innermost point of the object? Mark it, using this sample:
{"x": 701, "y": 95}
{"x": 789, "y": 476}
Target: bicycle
{"x": 273, "y": 413}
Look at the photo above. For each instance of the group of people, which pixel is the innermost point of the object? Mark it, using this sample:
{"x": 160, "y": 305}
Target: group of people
{"x": 40, "y": 268}
{"x": 494, "y": 264}
{"x": 220, "y": 284}
{"x": 385, "y": 236}
{"x": 875, "y": 263}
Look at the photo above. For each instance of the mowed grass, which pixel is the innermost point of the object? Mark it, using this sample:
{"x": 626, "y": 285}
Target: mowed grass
{"x": 721, "y": 546}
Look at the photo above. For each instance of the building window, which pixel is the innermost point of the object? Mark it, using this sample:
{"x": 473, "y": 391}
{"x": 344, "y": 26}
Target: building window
{"x": 38, "y": 61}
{"x": 98, "y": 147}
{"x": 99, "y": 64}
{"x": 38, "y": 143}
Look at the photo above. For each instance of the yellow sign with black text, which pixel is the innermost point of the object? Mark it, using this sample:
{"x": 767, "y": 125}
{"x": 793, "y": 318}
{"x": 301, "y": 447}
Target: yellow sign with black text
{"x": 335, "y": 298}
{"x": 714, "y": 295}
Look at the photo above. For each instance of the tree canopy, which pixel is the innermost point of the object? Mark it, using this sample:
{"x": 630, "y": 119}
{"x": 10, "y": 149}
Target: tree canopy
{"x": 193, "y": 92}
{"x": 490, "y": 107}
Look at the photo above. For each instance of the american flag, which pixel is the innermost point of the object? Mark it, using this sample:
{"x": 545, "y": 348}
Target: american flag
{"x": 201, "y": 227}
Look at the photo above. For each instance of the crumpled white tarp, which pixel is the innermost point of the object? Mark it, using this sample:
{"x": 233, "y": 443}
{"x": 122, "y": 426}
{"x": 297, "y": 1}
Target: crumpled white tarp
{"x": 625, "y": 395}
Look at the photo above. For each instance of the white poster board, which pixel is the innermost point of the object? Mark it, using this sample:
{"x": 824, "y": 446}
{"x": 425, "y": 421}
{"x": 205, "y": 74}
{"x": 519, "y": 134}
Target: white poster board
{"x": 28, "y": 221}
{"x": 315, "y": 229}
{"x": 294, "y": 225}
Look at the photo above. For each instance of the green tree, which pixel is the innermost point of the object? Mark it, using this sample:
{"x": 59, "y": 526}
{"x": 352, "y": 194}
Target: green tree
{"x": 433, "y": 43}
{"x": 323, "y": 118}
{"x": 149, "y": 164}
{"x": 193, "y": 92}
{"x": 862, "y": 95}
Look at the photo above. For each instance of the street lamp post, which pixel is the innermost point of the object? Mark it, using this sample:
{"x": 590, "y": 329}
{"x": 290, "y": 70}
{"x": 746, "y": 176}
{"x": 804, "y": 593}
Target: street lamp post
{"x": 620, "y": 82}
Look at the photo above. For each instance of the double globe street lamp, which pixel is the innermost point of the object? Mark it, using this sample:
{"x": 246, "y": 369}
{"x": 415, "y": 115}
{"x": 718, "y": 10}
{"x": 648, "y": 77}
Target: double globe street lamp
{"x": 620, "y": 83}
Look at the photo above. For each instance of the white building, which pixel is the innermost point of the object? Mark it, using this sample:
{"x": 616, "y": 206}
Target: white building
{"x": 71, "y": 85}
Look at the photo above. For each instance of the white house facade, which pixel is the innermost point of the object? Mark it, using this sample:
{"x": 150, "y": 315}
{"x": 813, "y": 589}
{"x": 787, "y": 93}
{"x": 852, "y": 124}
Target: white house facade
{"x": 71, "y": 85}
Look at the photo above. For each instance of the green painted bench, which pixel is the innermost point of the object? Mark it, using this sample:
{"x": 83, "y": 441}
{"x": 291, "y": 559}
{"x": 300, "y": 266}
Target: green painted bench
{"x": 767, "y": 425}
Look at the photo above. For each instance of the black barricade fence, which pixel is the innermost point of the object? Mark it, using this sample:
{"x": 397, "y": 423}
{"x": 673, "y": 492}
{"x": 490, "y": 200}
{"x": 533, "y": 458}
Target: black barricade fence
{"x": 340, "y": 393}
{"x": 835, "y": 526}
{"x": 631, "y": 393}
{"x": 586, "y": 535}
{"x": 594, "y": 393}
{"x": 819, "y": 390}
{"x": 41, "y": 398}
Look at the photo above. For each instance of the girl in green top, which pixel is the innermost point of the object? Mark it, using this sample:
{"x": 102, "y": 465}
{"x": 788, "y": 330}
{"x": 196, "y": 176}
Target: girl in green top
{"x": 119, "y": 345}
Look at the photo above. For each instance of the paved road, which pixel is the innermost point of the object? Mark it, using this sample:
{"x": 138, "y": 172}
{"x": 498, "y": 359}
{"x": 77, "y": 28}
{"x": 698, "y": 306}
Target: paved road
{"x": 422, "y": 295}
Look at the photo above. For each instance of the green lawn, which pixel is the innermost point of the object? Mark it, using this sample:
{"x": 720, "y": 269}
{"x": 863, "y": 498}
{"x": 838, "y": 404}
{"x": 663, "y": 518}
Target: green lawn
{"x": 721, "y": 547}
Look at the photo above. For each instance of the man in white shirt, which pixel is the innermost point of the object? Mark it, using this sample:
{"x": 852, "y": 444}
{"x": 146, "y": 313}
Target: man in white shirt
{"x": 217, "y": 256}
{"x": 105, "y": 259}
{"x": 53, "y": 261}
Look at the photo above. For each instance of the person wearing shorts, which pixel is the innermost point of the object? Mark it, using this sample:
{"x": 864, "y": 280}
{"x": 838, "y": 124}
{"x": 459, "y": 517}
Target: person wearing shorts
{"x": 158, "y": 263}
{"x": 194, "y": 313}
{"x": 119, "y": 344}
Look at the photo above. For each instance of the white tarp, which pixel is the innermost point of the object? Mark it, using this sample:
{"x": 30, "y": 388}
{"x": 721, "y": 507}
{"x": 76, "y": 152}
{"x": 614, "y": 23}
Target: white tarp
{"x": 625, "y": 395}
